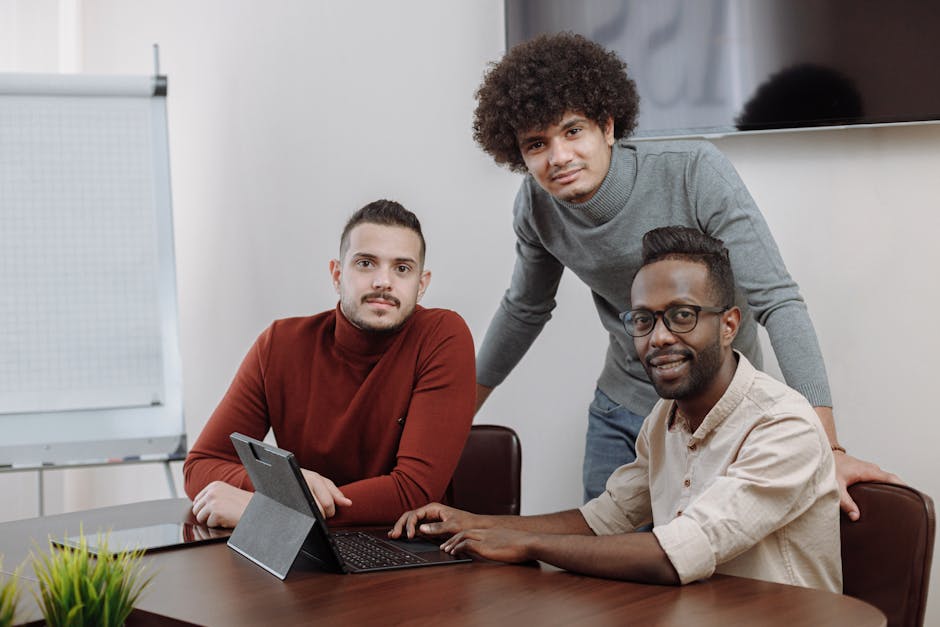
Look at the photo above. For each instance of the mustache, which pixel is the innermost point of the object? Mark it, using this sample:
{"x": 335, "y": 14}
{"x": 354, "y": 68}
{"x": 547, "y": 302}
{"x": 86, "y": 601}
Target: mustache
{"x": 382, "y": 296}
{"x": 562, "y": 170}
{"x": 676, "y": 352}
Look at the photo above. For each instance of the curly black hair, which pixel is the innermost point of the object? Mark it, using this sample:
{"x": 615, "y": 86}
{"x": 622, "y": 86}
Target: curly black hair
{"x": 539, "y": 80}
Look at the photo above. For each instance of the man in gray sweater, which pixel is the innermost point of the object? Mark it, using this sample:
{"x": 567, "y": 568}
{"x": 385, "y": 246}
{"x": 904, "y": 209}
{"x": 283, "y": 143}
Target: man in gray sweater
{"x": 560, "y": 108}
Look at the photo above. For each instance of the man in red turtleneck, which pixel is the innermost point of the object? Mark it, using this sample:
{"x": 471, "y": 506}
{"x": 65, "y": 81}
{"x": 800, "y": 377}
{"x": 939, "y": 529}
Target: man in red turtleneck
{"x": 374, "y": 398}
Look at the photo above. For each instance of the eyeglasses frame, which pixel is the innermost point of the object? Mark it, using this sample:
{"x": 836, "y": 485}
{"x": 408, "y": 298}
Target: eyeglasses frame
{"x": 661, "y": 315}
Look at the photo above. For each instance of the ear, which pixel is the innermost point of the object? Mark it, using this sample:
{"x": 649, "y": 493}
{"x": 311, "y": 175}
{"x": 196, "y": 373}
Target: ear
{"x": 423, "y": 283}
{"x": 609, "y": 131}
{"x": 335, "y": 272}
{"x": 730, "y": 321}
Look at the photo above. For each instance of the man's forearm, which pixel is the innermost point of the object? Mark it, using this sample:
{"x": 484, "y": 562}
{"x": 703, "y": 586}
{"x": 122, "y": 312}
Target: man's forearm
{"x": 199, "y": 470}
{"x": 630, "y": 556}
{"x": 828, "y": 423}
{"x": 569, "y": 522}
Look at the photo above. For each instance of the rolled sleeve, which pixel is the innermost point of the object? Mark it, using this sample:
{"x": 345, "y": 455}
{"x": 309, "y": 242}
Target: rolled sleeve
{"x": 773, "y": 481}
{"x": 604, "y": 517}
{"x": 688, "y": 548}
{"x": 625, "y": 504}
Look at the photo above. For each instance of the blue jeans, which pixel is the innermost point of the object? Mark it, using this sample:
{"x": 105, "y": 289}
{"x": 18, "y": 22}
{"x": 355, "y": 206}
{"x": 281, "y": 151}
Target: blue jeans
{"x": 611, "y": 442}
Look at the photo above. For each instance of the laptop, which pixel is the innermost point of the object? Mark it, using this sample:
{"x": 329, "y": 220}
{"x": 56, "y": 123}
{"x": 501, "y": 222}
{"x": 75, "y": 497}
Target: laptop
{"x": 283, "y": 524}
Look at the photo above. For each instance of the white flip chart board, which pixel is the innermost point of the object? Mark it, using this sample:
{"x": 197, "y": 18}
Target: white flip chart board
{"x": 89, "y": 349}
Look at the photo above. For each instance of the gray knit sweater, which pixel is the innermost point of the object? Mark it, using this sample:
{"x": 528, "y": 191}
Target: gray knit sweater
{"x": 649, "y": 184}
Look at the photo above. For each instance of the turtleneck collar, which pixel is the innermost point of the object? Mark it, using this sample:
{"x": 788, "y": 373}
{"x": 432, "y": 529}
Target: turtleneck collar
{"x": 614, "y": 192}
{"x": 365, "y": 343}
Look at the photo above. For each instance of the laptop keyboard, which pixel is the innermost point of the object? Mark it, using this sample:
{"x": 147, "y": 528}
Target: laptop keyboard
{"x": 362, "y": 551}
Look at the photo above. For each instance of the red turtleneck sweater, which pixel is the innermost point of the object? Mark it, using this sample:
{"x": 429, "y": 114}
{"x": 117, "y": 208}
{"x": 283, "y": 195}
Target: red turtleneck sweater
{"x": 385, "y": 416}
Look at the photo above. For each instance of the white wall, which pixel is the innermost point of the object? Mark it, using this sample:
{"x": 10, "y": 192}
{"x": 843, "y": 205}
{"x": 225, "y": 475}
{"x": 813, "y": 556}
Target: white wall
{"x": 287, "y": 116}
{"x": 857, "y": 215}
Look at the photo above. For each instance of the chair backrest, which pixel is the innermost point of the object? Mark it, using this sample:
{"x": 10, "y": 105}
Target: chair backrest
{"x": 487, "y": 478}
{"x": 886, "y": 554}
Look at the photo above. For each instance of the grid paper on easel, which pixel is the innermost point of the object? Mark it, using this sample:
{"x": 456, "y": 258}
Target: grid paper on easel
{"x": 79, "y": 315}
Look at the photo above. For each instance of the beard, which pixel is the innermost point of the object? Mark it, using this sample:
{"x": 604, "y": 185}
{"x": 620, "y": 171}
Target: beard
{"x": 703, "y": 367}
{"x": 392, "y": 321}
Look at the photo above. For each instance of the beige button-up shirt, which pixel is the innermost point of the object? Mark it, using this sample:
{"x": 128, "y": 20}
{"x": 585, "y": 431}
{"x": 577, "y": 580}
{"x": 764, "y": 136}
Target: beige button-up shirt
{"x": 751, "y": 493}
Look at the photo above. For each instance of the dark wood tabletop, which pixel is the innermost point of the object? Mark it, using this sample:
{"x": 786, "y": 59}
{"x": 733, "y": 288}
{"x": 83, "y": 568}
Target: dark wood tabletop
{"x": 211, "y": 584}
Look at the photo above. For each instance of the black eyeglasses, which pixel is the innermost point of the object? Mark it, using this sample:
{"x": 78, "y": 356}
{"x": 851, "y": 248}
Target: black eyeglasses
{"x": 678, "y": 318}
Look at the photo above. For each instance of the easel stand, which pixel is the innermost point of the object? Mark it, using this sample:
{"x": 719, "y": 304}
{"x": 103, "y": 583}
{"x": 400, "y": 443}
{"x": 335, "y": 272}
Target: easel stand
{"x": 41, "y": 469}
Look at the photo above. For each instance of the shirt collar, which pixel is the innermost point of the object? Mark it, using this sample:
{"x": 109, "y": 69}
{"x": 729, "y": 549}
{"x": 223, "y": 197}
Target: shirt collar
{"x": 741, "y": 382}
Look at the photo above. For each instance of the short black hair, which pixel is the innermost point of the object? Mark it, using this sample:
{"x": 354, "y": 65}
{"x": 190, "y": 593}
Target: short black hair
{"x": 386, "y": 213}
{"x": 539, "y": 80}
{"x": 688, "y": 244}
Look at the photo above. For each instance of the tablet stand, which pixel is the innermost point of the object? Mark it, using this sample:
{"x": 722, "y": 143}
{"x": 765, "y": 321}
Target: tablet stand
{"x": 271, "y": 534}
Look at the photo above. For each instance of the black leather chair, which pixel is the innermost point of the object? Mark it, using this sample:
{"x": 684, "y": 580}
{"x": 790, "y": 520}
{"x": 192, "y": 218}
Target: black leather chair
{"x": 488, "y": 476}
{"x": 886, "y": 555}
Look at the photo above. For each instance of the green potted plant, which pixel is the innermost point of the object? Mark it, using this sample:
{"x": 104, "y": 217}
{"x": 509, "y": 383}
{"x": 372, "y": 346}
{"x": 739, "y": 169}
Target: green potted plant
{"x": 9, "y": 597}
{"x": 76, "y": 588}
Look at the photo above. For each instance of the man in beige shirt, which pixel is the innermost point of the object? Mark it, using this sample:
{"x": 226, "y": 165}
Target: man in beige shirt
{"x": 733, "y": 467}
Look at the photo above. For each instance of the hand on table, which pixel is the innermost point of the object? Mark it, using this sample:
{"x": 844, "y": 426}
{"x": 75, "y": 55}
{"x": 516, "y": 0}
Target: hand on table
{"x": 851, "y": 470}
{"x": 220, "y": 504}
{"x": 449, "y": 521}
{"x": 501, "y": 545}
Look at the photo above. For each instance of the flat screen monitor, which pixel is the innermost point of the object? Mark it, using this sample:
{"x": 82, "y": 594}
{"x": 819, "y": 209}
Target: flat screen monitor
{"x": 711, "y": 67}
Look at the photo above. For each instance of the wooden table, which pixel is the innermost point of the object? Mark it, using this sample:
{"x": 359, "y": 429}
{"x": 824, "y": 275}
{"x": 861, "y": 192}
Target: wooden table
{"x": 211, "y": 584}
